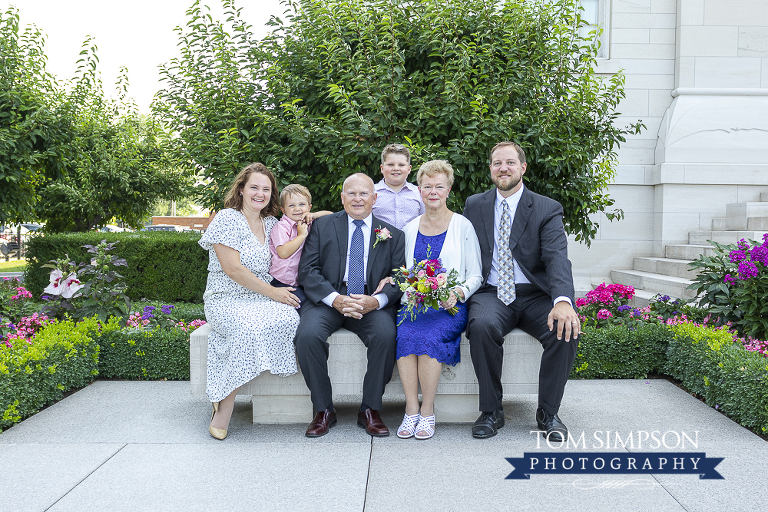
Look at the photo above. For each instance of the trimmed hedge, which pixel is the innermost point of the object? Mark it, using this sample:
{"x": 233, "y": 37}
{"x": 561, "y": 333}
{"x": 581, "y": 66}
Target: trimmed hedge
{"x": 134, "y": 354}
{"x": 727, "y": 377}
{"x": 618, "y": 352}
{"x": 164, "y": 266}
{"x": 62, "y": 356}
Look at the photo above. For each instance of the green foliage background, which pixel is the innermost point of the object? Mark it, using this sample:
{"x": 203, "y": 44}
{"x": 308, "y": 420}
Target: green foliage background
{"x": 69, "y": 155}
{"x": 321, "y": 96}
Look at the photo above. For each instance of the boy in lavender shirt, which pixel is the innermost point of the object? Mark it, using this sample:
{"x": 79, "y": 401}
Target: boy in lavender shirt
{"x": 287, "y": 238}
{"x": 397, "y": 201}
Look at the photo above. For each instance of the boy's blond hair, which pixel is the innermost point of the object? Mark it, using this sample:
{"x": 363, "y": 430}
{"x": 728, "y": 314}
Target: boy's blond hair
{"x": 397, "y": 149}
{"x": 294, "y": 189}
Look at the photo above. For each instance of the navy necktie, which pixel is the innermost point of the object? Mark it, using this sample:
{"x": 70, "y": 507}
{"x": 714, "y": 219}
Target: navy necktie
{"x": 356, "y": 277}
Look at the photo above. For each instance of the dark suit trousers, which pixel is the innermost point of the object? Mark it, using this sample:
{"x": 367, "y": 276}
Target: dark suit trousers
{"x": 376, "y": 329}
{"x": 490, "y": 320}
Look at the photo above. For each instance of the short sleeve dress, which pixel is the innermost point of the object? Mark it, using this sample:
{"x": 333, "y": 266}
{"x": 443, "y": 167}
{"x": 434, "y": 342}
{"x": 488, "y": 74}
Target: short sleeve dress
{"x": 251, "y": 333}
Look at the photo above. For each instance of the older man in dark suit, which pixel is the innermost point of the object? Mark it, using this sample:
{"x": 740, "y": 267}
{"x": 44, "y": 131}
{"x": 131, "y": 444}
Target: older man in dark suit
{"x": 527, "y": 283}
{"x": 339, "y": 269}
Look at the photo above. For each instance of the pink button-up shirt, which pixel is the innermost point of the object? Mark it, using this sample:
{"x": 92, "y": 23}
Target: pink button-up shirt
{"x": 284, "y": 270}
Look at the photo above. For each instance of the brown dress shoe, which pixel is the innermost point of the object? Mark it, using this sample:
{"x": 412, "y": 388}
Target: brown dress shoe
{"x": 322, "y": 422}
{"x": 372, "y": 423}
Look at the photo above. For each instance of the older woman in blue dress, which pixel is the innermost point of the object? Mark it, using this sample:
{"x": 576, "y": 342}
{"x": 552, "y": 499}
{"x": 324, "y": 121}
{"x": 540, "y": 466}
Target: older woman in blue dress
{"x": 253, "y": 322}
{"x": 433, "y": 338}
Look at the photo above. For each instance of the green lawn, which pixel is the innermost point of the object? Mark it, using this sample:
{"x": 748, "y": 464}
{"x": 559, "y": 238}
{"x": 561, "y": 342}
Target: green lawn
{"x": 13, "y": 265}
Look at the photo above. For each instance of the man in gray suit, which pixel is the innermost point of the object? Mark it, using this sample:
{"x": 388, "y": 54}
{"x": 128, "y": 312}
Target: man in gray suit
{"x": 339, "y": 270}
{"x": 527, "y": 283}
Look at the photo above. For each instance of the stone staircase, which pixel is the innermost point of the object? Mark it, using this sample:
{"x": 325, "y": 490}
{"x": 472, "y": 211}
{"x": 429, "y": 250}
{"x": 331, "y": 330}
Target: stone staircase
{"x": 671, "y": 274}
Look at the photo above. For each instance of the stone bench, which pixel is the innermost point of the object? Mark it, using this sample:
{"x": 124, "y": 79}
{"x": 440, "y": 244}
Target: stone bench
{"x": 287, "y": 399}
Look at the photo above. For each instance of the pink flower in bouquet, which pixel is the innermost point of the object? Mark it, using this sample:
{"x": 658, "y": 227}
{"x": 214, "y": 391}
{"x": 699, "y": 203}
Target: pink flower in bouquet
{"x": 421, "y": 274}
{"x": 433, "y": 283}
{"x": 441, "y": 279}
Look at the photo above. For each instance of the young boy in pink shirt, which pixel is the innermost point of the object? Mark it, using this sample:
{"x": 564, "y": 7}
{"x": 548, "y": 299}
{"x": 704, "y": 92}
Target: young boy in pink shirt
{"x": 287, "y": 238}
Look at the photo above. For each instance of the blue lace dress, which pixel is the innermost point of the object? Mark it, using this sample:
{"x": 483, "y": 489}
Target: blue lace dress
{"x": 435, "y": 333}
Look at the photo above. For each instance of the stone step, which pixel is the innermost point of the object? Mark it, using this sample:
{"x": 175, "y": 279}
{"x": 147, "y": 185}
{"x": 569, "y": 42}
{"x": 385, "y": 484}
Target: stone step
{"x": 737, "y": 214}
{"x": 718, "y": 224}
{"x": 642, "y": 298}
{"x": 656, "y": 283}
{"x": 723, "y": 237}
{"x": 688, "y": 251}
{"x": 764, "y": 197}
{"x": 665, "y": 266}
{"x": 757, "y": 224}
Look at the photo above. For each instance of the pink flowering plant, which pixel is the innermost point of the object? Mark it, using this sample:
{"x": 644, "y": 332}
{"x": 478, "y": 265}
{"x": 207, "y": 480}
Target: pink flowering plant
{"x": 608, "y": 304}
{"x": 733, "y": 284}
{"x": 23, "y": 330}
{"x": 426, "y": 284}
{"x": 15, "y": 300}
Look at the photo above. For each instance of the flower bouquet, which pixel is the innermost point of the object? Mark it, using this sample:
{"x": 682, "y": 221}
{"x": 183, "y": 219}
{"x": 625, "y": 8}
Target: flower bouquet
{"x": 426, "y": 284}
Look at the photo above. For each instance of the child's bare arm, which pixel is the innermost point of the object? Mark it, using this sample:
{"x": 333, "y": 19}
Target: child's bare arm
{"x": 291, "y": 246}
{"x": 310, "y": 216}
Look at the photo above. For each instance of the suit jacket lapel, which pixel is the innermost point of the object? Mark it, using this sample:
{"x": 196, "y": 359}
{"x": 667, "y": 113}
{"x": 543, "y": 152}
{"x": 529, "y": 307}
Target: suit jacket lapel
{"x": 342, "y": 235}
{"x": 372, "y": 253}
{"x": 521, "y": 218}
{"x": 488, "y": 215}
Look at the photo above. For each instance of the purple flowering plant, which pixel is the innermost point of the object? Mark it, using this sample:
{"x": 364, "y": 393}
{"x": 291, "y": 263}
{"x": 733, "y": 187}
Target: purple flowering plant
{"x": 151, "y": 317}
{"x": 733, "y": 284}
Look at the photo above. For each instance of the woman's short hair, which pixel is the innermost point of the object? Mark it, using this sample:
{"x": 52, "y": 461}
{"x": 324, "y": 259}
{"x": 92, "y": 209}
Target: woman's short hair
{"x": 234, "y": 197}
{"x": 434, "y": 167}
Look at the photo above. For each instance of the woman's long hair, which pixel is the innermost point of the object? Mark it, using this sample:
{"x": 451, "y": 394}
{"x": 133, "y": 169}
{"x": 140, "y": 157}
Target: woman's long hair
{"x": 234, "y": 197}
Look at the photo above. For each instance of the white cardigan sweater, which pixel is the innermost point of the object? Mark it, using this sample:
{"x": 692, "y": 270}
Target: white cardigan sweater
{"x": 461, "y": 251}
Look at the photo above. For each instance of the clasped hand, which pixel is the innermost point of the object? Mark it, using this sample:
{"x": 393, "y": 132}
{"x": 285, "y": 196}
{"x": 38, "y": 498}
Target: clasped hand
{"x": 355, "y": 305}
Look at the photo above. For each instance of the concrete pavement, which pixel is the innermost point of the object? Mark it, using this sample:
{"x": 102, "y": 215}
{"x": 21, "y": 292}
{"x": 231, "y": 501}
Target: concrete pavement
{"x": 136, "y": 446}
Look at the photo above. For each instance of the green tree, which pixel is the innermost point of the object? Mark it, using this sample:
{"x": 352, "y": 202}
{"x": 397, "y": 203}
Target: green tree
{"x": 34, "y": 125}
{"x": 320, "y": 97}
{"x": 119, "y": 167}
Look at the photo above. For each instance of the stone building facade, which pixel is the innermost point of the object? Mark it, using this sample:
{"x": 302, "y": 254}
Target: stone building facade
{"x": 697, "y": 76}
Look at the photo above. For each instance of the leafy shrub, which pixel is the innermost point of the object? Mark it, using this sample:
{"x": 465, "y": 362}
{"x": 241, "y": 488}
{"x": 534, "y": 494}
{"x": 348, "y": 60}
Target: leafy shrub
{"x": 620, "y": 352}
{"x": 145, "y": 354}
{"x": 729, "y": 378}
{"x": 162, "y": 266}
{"x": 63, "y": 356}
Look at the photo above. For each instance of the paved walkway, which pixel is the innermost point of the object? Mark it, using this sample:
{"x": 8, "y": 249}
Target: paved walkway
{"x": 138, "y": 446}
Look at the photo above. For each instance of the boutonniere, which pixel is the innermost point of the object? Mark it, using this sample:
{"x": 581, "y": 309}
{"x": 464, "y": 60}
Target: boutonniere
{"x": 382, "y": 234}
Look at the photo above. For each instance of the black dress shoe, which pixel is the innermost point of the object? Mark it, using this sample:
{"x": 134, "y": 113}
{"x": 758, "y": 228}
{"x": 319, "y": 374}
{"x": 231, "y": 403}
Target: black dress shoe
{"x": 488, "y": 424}
{"x": 555, "y": 430}
{"x": 322, "y": 422}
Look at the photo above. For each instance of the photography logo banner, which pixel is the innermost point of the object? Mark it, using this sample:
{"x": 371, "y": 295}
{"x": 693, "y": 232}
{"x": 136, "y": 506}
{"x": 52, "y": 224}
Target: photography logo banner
{"x": 614, "y": 464}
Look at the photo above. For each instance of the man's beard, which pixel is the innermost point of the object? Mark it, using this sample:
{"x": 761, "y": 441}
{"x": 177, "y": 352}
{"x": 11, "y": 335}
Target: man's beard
{"x": 507, "y": 185}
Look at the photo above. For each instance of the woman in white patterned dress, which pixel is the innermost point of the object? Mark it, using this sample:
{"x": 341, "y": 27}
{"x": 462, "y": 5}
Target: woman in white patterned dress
{"x": 253, "y": 322}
